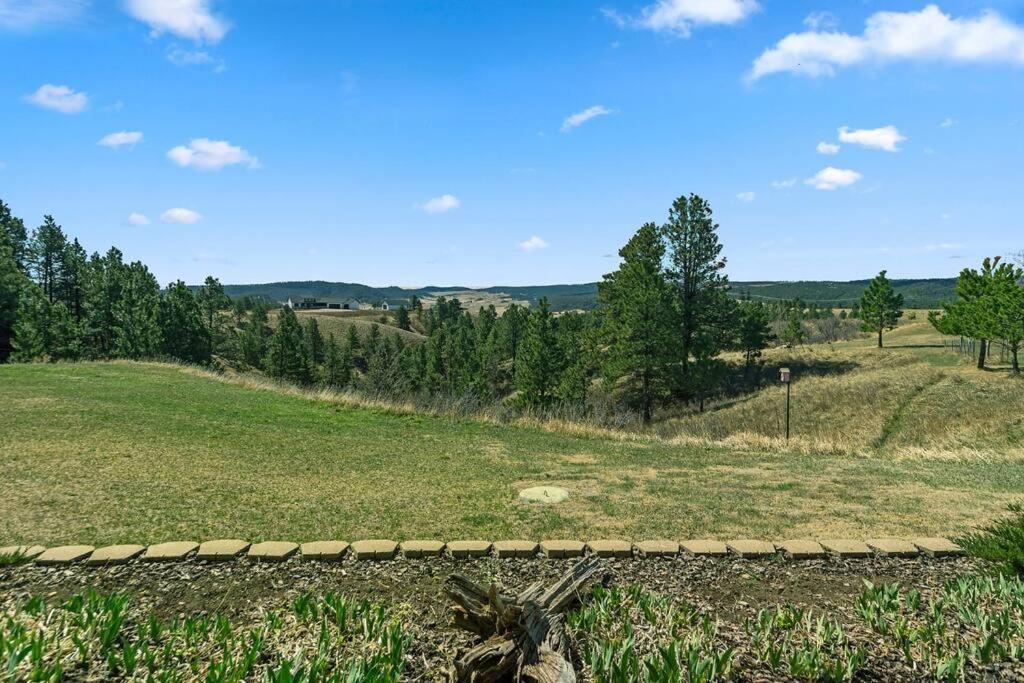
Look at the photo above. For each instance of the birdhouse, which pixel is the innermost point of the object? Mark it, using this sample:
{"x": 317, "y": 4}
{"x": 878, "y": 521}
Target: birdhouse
{"x": 784, "y": 375}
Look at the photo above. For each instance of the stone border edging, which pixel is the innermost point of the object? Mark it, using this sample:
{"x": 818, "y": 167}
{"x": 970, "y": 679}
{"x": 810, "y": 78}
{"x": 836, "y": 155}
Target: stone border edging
{"x": 382, "y": 550}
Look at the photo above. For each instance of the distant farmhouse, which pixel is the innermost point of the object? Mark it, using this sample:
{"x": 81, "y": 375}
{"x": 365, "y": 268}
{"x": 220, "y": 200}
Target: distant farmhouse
{"x": 309, "y": 303}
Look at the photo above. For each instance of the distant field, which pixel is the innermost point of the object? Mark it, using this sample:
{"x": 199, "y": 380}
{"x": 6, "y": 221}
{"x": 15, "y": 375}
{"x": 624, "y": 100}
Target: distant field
{"x": 130, "y": 452}
{"x": 338, "y": 322}
{"x": 912, "y": 397}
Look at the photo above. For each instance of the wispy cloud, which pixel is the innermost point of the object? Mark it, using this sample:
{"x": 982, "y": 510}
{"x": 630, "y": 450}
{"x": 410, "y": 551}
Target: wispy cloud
{"x": 886, "y": 138}
{"x": 124, "y": 137}
{"x": 925, "y": 35}
{"x": 581, "y": 117}
{"x": 827, "y": 148}
{"x": 783, "y": 184}
{"x": 190, "y": 19}
{"x": 746, "y": 196}
{"x": 948, "y": 123}
{"x": 59, "y": 98}
{"x": 179, "y": 215}
{"x": 211, "y": 155}
{"x": 831, "y": 178}
{"x": 680, "y": 16}
{"x": 140, "y": 219}
{"x": 179, "y": 56}
{"x": 533, "y": 244}
{"x": 445, "y": 202}
{"x": 943, "y": 246}
{"x": 24, "y": 15}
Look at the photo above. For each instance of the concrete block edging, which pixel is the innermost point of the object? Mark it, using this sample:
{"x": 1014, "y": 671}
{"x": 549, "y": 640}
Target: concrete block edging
{"x": 380, "y": 550}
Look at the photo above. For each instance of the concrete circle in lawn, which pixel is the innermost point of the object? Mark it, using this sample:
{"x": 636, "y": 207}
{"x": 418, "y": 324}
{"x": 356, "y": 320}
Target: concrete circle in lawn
{"x": 543, "y": 494}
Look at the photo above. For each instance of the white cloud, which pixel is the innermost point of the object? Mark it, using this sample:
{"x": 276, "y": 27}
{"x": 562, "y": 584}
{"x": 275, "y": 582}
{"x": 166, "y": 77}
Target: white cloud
{"x": 680, "y": 16}
{"x": 821, "y": 21}
{"x": 942, "y": 246}
{"x": 746, "y": 196}
{"x": 830, "y": 178}
{"x": 140, "y": 219}
{"x": 533, "y": 244}
{"x": 926, "y": 35}
{"x": 581, "y": 117}
{"x": 211, "y": 155}
{"x": 179, "y": 56}
{"x": 887, "y": 137}
{"x": 120, "y": 139}
{"x": 59, "y": 98}
{"x": 827, "y": 148}
{"x": 445, "y": 202}
{"x": 23, "y": 15}
{"x": 783, "y": 184}
{"x": 191, "y": 19}
{"x": 948, "y": 123}
{"x": 179, "y": 215}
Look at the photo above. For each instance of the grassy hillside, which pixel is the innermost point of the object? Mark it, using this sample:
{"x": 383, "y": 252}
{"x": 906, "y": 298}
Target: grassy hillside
{"x": 912, "y": 398}
{"x": 917, "y": 293}
{"x": 337, "y": 323}
{"x": 126, "y": 452}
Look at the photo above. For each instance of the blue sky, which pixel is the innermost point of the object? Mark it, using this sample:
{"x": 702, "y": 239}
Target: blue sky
{"x": 478, "y": 143}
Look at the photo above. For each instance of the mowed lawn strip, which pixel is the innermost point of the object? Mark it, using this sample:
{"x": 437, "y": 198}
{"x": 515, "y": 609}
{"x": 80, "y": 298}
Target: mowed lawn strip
{"x": 123, "y": 452}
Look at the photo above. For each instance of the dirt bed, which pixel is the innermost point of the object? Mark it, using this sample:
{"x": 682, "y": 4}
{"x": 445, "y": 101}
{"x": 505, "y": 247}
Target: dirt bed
{"x": 730, "y": 590}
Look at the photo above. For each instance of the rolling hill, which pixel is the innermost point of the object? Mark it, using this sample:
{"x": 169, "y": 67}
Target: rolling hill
{"x": 925, "y": 293}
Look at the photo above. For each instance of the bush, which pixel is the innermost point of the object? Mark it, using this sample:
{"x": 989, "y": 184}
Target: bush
{"x": 1001, "y": 542}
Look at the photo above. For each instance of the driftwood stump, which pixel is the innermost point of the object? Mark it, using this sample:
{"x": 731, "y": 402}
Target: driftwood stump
{"x": 523, "y": 635}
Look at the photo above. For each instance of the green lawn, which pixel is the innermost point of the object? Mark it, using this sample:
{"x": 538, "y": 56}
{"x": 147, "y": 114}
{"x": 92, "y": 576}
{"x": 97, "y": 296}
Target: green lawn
{"x": 122, "y": 452}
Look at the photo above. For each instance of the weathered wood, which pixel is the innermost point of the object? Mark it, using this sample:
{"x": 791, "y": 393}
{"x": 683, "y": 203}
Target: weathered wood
{"x": 524, "y": 636}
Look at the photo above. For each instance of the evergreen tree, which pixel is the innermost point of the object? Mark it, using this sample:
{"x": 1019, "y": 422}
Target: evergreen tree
{"x": 314, "y": 341}
{"x": 696, "y": 266}
{"x": 136, "y": 330}
{"x": 793, "y": 333}
{"x": 14, "y": 236}
{"x": 512, "y": 326}
{"x": 12, "y": 282}
{"x": 754, "y": 331}
{"x": 880, "y": 306}
{"x": 254, "y": 337}
{"x": 966, "y": 316}
{"x": 536, "y": 373}
{"x": 182, "y": 326}
{"x": 640, "y": 319}
{"x": 402, "y": 319}
{"x": 287, "y": 354}
{"x": 43, "y": 329}
{"x": 104, "y": 285}
{"x": 72, "y": 285}
{"x": 337, "y": 364}
{"x": 212, "y": 300}
{"x": 46, "y": 253}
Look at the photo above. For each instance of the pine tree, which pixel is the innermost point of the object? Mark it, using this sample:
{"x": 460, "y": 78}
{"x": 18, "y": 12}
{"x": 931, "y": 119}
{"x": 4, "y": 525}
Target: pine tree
{"x": 104, "y": 284}
{"x": 212, "y": 300}
{"x": 536, "y": 373}
{"x": 337, "y": 365}
{"x": 314, "y": 341}
{"x": 12, "y": 282}
{"x": 696, "y": 267}
{"x": 641, "y": 319}
{"x": 71, "y": 287}
{"x": 793, "y": 333}
{"x": 754, "y": 331}
{"x": 43, "y": 329}
{"x": 287, "y": 353}
{"x": 182, "y": 327}
{"x": 14, "y": 235}
{"x": 880, "y": 306}
{"x": 254, "y": 337}
{"x": 46, "y": 253}
{"x": 402, "y": 319}
{"x": 137, "y": 331}
{"x": 512, "y": 326}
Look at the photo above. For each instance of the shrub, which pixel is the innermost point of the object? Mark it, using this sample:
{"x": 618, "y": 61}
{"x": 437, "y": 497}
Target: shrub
{"x": 1001, "y": 542}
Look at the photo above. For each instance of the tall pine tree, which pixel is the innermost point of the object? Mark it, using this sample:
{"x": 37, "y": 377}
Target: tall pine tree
{"x": 538, "y": 364}
{"x": 880, "y": 306}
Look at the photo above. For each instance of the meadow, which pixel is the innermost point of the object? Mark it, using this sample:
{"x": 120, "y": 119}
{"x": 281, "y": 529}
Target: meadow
{"x": 904, "y": 441}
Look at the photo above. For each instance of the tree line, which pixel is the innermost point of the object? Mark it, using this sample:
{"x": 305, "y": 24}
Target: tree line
{"x": 989, "y": 307}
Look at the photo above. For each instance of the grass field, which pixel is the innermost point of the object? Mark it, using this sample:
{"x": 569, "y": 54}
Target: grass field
{"x": 129, "y": 452}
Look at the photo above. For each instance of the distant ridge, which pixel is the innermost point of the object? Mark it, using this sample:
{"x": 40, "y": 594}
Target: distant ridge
{"x": 923, "y": 293}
